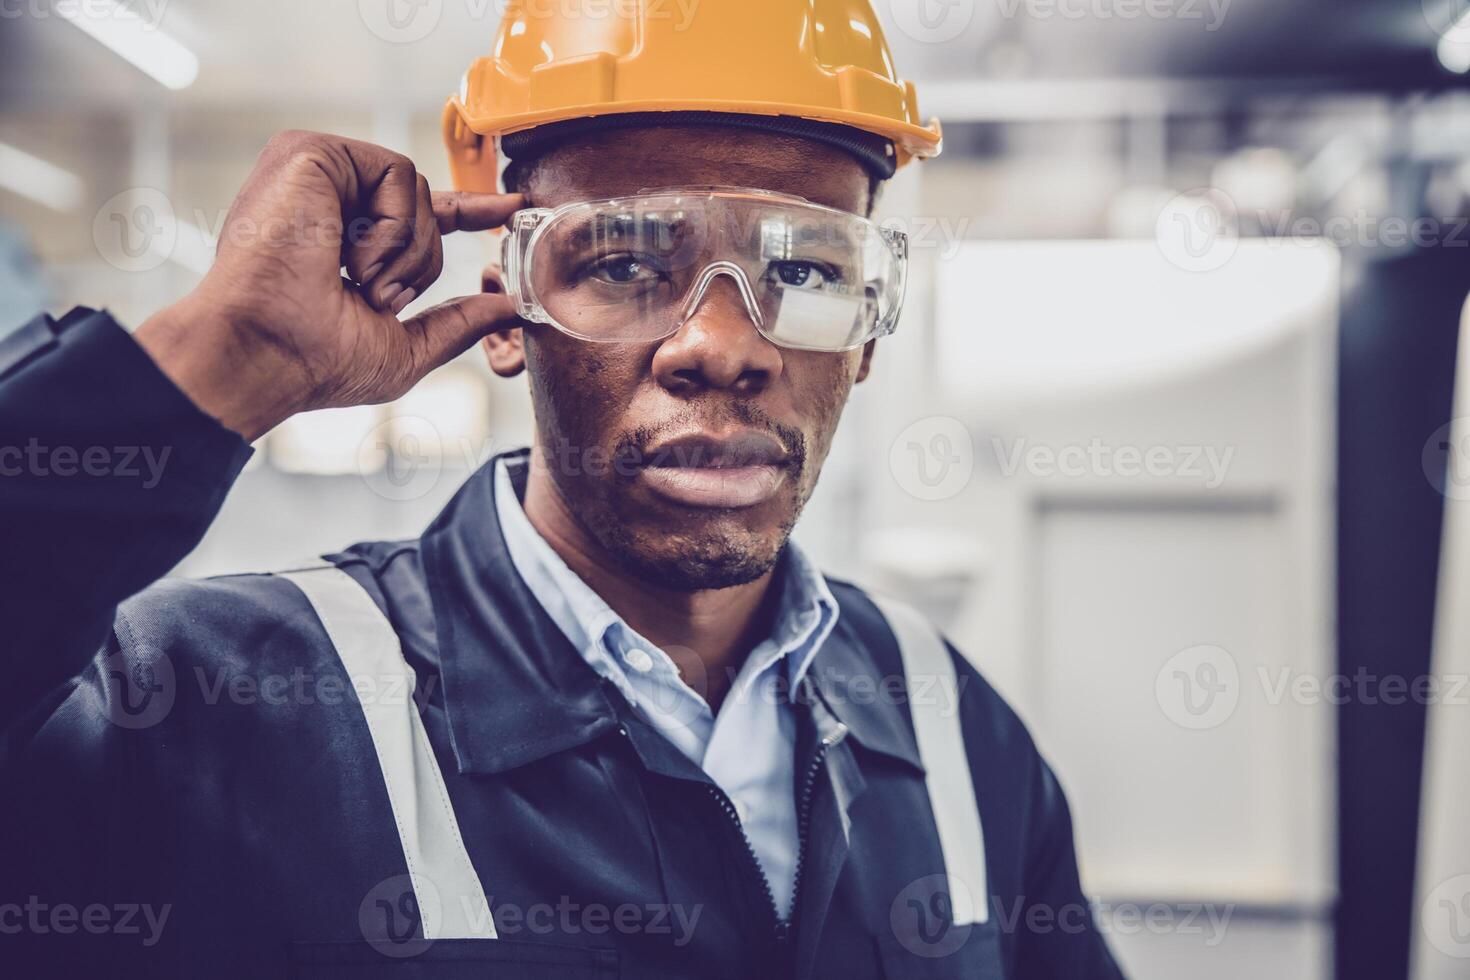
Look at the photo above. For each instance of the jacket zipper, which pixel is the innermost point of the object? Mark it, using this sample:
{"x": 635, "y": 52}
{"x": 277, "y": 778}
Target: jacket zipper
{"x": 779, "y": 928}
{"x": 804, "y": 812}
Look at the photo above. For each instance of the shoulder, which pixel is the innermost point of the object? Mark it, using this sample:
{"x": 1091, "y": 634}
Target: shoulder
{"x": 204, "y": 619}
{"x": 987, "y": 717}
{"x": 260, "y": 612}
{"x": 1014, "y": 785}
{"x": 183, "y": 645}
{"x": 1017, "y": 793}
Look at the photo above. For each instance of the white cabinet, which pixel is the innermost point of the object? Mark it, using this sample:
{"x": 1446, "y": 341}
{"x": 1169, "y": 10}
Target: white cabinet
{"x": 1151, "y": 492}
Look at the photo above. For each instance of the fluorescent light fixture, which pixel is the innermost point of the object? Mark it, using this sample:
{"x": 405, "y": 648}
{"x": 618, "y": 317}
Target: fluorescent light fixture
{"x": 39, "y": 180}
{"x": 1454, "y": 46}
{"x": 128, "y": 35}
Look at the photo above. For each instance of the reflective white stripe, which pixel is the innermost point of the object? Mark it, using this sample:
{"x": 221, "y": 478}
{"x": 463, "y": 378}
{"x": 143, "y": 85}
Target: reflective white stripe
{"x": 934, "y": 704}
{"x": 451, "y": 902}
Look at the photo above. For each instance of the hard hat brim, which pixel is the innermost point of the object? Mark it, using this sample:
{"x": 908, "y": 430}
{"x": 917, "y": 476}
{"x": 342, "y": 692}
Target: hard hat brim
{"x": 875, "y": 152}
{"x": 910, "y": 141}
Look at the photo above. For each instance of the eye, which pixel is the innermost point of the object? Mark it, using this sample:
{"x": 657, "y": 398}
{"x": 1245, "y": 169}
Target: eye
{"x": 623, "y": 269}
{"x": 796, "y": 274}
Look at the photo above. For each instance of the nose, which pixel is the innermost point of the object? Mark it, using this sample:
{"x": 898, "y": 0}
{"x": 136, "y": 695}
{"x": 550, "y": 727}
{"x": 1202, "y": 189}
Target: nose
{"x": 718, "y": 345}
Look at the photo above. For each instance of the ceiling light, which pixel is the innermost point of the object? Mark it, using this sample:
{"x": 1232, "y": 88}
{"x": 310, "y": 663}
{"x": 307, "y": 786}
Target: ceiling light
{"x": 134, "y": 39}
{"x": 1454, "y": 46}
{"x": 41, "y": 181}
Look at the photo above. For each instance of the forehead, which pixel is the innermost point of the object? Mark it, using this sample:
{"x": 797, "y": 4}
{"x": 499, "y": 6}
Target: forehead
{"x": 626, "y": 161}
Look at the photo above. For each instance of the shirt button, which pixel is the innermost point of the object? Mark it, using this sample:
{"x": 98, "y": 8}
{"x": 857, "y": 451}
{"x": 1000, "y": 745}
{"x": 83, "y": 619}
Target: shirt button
{"x": 639, "y": 660}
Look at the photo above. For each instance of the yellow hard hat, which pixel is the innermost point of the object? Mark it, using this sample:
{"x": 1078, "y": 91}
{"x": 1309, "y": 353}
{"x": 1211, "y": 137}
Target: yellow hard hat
{"x": 782, "y": 62}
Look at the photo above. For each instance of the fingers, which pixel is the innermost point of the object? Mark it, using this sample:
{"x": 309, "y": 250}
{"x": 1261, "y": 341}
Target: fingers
{"x": 443, "y": 332}
{"x": 399, "y": 277}
{"x": 381, "y": 222}
{"x": 435, "y": 264}
{"x": 392, "y": 222}
{"x": 417, "y": 265}
{"x": 462, "y": 211}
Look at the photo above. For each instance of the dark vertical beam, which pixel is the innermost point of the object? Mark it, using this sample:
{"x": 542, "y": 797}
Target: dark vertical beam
{"x": 1396, "y": 374}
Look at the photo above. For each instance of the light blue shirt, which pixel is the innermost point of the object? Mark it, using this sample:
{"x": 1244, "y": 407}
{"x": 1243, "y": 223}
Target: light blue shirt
{"x": 749, "y": 748}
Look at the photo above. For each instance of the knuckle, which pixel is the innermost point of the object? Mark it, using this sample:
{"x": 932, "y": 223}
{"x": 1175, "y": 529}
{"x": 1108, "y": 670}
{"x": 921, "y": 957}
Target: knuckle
{"x": 394, "y": 231}
{"x": 288, "y": 140}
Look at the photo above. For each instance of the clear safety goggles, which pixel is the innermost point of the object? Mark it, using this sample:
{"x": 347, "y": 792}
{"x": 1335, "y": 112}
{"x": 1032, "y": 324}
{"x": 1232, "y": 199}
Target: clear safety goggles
{"x": 634, "y": 269}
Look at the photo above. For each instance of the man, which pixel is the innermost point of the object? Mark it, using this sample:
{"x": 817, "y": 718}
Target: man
{"x": 603, "y": 719}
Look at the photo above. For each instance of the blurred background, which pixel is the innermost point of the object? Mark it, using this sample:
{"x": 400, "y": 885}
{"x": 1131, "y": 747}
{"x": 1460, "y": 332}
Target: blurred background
{"x": 1164, "y": 440}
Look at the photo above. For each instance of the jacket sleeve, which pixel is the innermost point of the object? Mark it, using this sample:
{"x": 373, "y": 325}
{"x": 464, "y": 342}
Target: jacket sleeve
{"x": 1071, "y": 945}
{"x": 109, "y": 475}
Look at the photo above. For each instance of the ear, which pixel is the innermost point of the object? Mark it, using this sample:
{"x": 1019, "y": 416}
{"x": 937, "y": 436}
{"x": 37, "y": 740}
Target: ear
{"x": 867, "y": 361}
{"x": 504, "y": 349}
{"x": 505, "y": 352}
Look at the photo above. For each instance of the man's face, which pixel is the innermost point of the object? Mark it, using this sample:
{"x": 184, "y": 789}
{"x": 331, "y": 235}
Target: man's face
{"x": 688, "y": 459}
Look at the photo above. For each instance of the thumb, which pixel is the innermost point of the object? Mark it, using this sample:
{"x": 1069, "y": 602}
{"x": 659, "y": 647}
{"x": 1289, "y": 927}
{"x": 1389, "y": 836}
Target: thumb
{"x": 443, "y": 332}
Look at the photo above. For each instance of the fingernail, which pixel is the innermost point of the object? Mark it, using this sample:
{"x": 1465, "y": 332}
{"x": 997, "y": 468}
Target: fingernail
{"x": 386, "y": 294}
{"x": 367, "y": 276}
{"x": 404, "y": 298}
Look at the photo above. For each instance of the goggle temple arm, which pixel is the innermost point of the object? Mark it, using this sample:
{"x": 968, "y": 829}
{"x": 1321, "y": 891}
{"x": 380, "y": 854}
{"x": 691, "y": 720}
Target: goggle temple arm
{"x": 898, "y": 244}
{"x": 515, "y": 250}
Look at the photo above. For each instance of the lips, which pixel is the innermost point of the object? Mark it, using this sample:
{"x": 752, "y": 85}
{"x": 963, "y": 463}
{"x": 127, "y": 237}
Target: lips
{"x": 739, "y": 469}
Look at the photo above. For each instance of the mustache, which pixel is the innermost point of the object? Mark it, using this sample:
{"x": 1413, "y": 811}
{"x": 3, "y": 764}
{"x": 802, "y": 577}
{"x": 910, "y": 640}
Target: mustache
{"x": 641, "y": 447}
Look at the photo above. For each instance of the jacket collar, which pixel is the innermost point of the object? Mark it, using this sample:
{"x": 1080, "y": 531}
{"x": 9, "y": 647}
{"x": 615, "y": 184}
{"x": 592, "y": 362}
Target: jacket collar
{"x": 858, "y": 679}
{"x": 497, "y": 645}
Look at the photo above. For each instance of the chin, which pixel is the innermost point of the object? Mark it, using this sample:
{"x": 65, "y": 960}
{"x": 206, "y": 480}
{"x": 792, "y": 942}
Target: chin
{"x": 715, "y": 556}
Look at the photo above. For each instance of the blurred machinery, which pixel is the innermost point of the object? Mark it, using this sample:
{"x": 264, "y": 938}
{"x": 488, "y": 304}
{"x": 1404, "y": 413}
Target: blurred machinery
{"x": 1158, "y": 232}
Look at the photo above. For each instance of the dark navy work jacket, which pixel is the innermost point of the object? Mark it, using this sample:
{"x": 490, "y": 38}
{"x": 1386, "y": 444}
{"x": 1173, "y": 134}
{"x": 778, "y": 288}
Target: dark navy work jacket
{"x": 190, "y": 788}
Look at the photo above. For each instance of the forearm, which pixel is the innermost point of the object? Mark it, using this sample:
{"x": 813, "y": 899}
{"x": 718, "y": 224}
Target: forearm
{"x": 109, "y": 475}
{"x": 247, "y": 384}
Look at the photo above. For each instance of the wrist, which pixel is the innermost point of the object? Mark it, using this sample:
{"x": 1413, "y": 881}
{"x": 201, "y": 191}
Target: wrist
{"x": 215, "y": 363}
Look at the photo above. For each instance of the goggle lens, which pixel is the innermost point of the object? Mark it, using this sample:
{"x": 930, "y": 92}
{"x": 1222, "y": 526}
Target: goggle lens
{"x": 635, "y": 269}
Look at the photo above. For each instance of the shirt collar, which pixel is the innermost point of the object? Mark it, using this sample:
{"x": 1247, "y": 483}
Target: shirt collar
{"x": 805, "y": 615}
{"x": 579, "y": 612}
